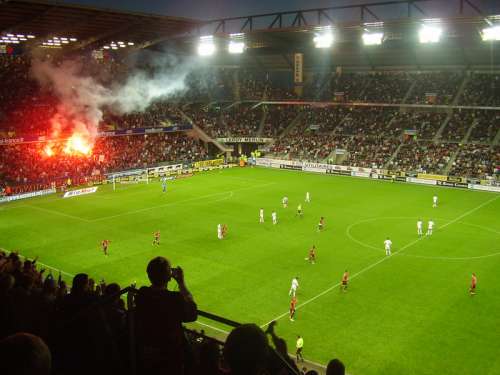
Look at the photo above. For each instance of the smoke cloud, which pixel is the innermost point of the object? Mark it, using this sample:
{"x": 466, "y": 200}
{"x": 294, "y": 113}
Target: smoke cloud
{"x": 83, "y": 98}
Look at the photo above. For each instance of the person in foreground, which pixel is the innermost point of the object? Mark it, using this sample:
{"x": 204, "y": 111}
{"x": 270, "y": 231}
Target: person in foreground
{"x": 160, "y": 314}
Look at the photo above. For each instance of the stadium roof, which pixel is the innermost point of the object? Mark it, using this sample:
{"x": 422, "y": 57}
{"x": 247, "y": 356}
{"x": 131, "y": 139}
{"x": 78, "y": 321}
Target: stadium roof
{"x": 46, "y": 19}
{"x": 461, "y": 45}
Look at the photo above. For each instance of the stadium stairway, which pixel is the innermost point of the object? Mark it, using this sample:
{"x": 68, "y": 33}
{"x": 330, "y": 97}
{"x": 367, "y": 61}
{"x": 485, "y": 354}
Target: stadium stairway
{"x": 496, "y": 140}
{"x": 293, "y": 124}
{"x": 461, "y": 88}
{"x": 408, "y": 93}
{"x": 262, "y": 120}
{"x": 464, "y": 140}
{"x": 443, "y": 125}
{"x": 199, "y": 133}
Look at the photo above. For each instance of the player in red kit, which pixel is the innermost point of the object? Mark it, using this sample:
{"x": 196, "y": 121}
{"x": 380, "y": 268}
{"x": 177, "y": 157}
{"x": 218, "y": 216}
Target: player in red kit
{"x": 312, "y": 255}
{"x": 156, "y": 240}
{"x": 293, "y": 304}
{"x": 321, "y": 224}
{"x": 224, "y": 230}
{"x": 473, "y": 284}
{"x": 104, "y": 246}
{"x": 345, "y": 281}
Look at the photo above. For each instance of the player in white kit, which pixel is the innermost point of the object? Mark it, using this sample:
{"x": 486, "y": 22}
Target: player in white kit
{"x": 434, "y": 201}
{"x": 419, "y": 227}
{"x": 285, "y": 202}
{"x": 219, "y": 231}
{"x": 308, "y": 197}
{"x": 387, "y": 245}
{"x": 261, "y": 215}
{"x": 430, "y": 227}
{"x": 294, "y": 286}
{"x": 274, "y": 217}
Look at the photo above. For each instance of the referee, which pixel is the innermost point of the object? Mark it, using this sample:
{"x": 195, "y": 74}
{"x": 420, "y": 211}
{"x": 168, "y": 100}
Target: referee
{"x": 299, "y": 345}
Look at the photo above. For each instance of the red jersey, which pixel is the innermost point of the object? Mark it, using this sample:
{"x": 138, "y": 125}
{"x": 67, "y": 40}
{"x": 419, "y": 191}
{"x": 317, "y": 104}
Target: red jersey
{"x": 105, "y": 243}
{"x": 293, "y": 303}
{"x": 157, "y": 235}
{"x": 473, "y": 281}
{"x": 345, "y": 277}
{"x": 312, "y": 253}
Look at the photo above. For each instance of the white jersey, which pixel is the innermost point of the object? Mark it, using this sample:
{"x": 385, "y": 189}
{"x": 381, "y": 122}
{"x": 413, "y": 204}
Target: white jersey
{"x": 295, "y": 284}
{"x": 430, "y": 224}
{"x": 219, "y": 231}
{"x": 435, "y": 199}
{"x": 387, "y": 244}
{"x": 308, "y": 197}
{"x": 275, "y": 217}
{"x": 419, "y": 224}
{"x": 261, "y": 213}
{"x": 285, "y": 201}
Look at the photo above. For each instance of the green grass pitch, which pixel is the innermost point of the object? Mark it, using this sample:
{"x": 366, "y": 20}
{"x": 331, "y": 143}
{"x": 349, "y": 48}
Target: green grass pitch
{"x": 407, "y": 314}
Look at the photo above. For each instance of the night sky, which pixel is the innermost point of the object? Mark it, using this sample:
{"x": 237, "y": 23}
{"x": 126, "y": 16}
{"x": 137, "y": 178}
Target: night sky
{"x": 212, "y": 9}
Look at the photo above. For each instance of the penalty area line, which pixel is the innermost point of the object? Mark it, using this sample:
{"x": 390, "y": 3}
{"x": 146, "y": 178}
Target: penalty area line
{"x": 369, "y": 267}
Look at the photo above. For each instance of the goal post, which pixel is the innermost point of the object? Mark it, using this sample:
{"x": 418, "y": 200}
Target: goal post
{"x": 135, "y": 176}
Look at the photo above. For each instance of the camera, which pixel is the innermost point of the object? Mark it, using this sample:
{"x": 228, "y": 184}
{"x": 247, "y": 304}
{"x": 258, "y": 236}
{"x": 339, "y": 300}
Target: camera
{"x": 175, "y": 272}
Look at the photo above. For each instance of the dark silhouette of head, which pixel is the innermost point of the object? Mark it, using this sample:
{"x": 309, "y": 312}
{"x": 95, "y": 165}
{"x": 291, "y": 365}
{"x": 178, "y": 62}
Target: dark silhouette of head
{"x": 335, "y": 367}
{"x": 24, "y": 354}
{"x": 247, "y": 350}
{"x": 159, "y": 271}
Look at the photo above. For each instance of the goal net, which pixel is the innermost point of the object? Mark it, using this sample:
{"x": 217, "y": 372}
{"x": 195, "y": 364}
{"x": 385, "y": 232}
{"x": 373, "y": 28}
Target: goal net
{"x": 136, "y": 176}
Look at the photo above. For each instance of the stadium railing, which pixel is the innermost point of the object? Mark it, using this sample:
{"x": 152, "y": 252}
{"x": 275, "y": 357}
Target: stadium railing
{"x": 131, "y": 292}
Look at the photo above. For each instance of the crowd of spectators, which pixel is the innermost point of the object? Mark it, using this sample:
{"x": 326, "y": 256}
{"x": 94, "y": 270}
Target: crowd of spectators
{"x": 426, "y": 124}
{"x": 486, "y": 128}
{"x": 370, "y": 152}
{"x": 476, "y": 160}
{"x": 458, "y": 125}
{"x": 390, "y": 87}
{"x": 47, "y": 327}
{"x": 435, "y": 87}
{"x": 29, "y": 163}
{"x": 423, "y": 156}
{"x": 482, "y": 89}
{"x": 278, "y": 118}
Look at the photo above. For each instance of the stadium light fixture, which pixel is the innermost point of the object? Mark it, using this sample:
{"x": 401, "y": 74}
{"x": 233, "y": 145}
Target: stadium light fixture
{"x": 429, "y": 34}
{"x": 236, "y": 43}
{"x": 491, "y": 33}
{"x": 206, "y": 46}
{"x": 323, "y": 38}
{"x": 372, "y": 39}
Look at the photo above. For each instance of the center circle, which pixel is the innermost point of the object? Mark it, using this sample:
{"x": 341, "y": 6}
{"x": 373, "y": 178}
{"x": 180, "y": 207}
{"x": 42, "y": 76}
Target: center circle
{"x": 412, "y": 227}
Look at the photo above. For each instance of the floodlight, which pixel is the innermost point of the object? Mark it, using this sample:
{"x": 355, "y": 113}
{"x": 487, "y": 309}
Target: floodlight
{"x": 372, "y": 39}
{"x": 206, "y": 46}
{"x": 323, "y": 39}
{"x": 491, "y": 33}
{"x": 429, "y": 34}
{"x": 72, "y": 39}
{"x": 106, "y": 47}
{"x": 130, "y": 43}
{"x": 31, "y": 36}
{"x": 236, "y": 47}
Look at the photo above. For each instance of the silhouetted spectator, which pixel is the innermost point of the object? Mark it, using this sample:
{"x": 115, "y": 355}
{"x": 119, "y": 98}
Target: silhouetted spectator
{"x": 160, "y": 314}
{"x": 24, "y": 354}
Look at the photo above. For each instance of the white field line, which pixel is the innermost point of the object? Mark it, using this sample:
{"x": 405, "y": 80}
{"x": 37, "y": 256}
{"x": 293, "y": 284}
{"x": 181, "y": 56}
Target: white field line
{"x": 57, "y": 213}
{"x": 181, "y": 201}
{"x": 42, "y": 264}
{"x": 369, "y": 267}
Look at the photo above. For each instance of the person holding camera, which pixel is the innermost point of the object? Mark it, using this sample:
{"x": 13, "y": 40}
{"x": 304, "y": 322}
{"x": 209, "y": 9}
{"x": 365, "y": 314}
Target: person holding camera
{"x": 159, "y": 317}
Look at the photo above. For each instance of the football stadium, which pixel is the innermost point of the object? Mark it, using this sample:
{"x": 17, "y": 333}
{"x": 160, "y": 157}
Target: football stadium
{"x": 308, "y": 191}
